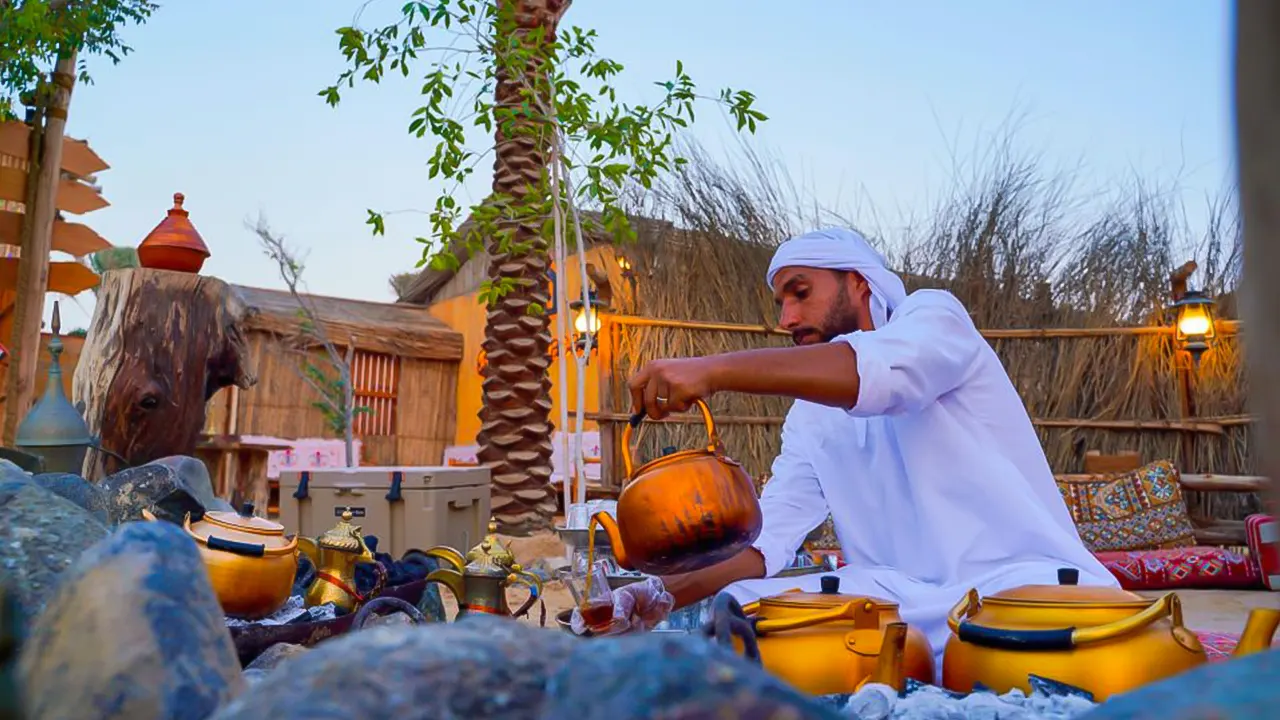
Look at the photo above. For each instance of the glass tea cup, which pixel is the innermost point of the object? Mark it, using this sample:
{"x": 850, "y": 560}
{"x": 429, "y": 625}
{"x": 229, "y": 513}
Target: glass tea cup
{"x": 595, "y": 599}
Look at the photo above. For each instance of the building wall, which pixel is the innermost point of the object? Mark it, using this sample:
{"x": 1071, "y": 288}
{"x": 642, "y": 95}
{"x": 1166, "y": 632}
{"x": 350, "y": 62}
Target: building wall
{"x": 412, "y": 401}
{"x": 463, "y": 313}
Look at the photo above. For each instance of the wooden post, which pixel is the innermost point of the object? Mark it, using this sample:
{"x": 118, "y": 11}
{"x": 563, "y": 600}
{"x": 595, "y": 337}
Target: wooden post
{"x": 159, "y": 346}
{"x": 33, "y": 265}
{"x": 1257, "y": 98}
{"x": 608, "y": 339}
{"x": 1185, "y": 369}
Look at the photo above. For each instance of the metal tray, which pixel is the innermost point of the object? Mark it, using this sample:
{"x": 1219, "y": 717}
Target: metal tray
{"x": 577, "y": 539}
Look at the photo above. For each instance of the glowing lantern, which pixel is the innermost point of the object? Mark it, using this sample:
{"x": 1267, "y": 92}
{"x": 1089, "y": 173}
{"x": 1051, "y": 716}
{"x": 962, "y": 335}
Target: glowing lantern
{"x": 1195, "y": 328}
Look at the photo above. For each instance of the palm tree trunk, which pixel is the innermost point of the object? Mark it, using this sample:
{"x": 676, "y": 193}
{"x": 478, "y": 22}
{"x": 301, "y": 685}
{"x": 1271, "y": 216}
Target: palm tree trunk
{"x": 515, "y": 431}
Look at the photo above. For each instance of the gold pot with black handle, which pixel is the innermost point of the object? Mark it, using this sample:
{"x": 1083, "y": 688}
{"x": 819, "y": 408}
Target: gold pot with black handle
{"x": 250, "y": 561}
{"x": 825, "y": 643}
{"x": 1100, "y": 639}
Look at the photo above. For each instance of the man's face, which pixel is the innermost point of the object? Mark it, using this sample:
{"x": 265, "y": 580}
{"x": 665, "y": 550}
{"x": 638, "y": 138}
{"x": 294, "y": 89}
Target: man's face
{"x": 817, "y": 305}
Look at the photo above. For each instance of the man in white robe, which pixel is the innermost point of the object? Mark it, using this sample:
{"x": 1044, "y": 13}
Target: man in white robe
{"x": 906, "y": 429}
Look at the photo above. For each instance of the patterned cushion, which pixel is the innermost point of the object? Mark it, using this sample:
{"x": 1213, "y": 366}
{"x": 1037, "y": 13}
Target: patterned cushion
{"x": 1138, "y": 510}
{"x": 1209, "y": 568}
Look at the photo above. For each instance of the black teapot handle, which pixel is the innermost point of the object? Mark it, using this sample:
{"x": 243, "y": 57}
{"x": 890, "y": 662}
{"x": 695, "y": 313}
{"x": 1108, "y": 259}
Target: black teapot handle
{"x": 729, "y": 620}
{"x": 247, "y": 549}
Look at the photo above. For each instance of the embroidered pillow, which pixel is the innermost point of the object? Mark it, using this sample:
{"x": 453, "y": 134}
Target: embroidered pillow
{"x": 1139, "y": 510}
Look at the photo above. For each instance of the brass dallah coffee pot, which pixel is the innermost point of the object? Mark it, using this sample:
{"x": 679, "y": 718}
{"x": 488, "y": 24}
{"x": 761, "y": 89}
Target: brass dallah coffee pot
{"x": 335, "y": 555}
{"x": 480, "y": 580}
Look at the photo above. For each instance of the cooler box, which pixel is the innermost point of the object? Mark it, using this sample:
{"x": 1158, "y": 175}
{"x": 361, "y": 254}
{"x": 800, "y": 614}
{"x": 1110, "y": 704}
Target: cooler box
{"x": 406, "y": 508}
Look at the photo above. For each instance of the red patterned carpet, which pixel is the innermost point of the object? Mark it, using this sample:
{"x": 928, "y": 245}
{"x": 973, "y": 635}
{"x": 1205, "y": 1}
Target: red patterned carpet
{"x": 1218, "y": 645}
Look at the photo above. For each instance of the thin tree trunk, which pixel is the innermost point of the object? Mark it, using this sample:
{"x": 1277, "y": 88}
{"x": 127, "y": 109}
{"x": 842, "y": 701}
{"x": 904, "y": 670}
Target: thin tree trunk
{"x": 33, "y": 265}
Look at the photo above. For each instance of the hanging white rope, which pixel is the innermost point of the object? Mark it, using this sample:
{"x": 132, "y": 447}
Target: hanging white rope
{"x": 561, "y": 299}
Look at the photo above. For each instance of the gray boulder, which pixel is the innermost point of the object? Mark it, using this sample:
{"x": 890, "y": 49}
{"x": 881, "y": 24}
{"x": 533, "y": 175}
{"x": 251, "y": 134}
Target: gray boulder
{"x": 672, "y": 676}
{"x": 134, "y": 631}
{"x": 482, "y": 667}
{"x": 41, "y": 535}
{"x": 78, "y": 490}
{"x": 169, "y": 487}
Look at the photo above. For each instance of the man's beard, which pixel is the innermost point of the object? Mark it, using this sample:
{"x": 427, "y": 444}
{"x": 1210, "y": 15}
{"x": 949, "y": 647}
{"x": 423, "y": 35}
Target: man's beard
{"x": 841, "y": 319}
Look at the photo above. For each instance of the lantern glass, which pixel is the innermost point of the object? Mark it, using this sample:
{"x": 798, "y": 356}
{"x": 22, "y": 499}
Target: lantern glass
{"x": 587, "y": 321}
{"x": 1195, "y": 318}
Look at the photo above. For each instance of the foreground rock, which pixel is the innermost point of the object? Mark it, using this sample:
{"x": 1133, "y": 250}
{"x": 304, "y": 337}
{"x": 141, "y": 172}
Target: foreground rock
{"x": 169, "y": 487}
{"x": 134, "y": 631}
{"x": 1235, "y": 689}
{"x": 675, "y": 677}
{"x": 486, "y": 668}
{"x": 41, "y": 535}
{"x": 72, "y": 487}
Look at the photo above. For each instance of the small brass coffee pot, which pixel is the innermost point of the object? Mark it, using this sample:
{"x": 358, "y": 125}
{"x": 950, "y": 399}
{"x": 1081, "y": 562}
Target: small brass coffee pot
{"x": 335, "y": 555}
{"x": 479, "y": 581}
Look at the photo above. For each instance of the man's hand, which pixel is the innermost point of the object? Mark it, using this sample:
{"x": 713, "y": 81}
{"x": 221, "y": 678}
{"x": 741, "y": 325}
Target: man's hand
{"x": 663, "y": 387}
{"x": 637, "y": 607}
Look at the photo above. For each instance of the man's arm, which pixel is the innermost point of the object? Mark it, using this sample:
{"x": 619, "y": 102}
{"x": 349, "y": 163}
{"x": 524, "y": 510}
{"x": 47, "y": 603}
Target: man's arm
{"x": 924, "y": 353}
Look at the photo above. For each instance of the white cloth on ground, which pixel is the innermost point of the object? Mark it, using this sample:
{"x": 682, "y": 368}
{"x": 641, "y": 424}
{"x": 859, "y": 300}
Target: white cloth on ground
{"x": 935, "y": 479}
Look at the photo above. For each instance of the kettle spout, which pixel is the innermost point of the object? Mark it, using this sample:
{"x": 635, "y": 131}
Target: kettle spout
{"x": 448, "y": 555}
{"x": 610, "y": 527}
{"x": 1259, "y": 632}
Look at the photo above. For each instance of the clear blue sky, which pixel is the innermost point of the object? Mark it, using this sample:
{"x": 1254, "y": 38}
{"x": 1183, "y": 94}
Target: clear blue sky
{"x": 866, "y": 100}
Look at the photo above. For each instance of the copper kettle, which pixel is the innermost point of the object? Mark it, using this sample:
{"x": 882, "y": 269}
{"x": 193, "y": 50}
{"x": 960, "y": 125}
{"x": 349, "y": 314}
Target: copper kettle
{"x": 682, "y": 512}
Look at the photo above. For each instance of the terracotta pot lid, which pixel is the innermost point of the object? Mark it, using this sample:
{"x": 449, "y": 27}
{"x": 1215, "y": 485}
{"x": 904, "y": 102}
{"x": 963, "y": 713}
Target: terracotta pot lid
{"x": 176, "y": 231}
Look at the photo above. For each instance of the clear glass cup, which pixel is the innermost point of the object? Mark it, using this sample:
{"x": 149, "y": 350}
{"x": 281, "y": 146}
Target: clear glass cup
{"x": 595, "y": 599}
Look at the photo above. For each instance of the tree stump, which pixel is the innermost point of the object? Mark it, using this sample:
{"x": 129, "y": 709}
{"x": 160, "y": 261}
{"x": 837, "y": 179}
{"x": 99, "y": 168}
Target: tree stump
{"x": 160, "y": 345}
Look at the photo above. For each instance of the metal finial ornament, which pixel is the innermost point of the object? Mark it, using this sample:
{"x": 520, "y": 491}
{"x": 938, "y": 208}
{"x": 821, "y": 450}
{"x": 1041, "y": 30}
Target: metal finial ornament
{"x": 53, "y": 429}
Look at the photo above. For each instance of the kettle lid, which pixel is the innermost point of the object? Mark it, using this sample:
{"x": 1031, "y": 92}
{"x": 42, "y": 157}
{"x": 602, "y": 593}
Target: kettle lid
{"x": 829, "y": 596}
{"x": 344, "y": 536}
{"x": 245, "y": 520}
{"x": 1068, "y": 590}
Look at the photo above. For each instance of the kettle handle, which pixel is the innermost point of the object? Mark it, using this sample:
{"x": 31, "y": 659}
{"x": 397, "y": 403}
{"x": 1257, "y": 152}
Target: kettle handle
{"x": 713, "y": 438}
{"x": 1067, "y": 638}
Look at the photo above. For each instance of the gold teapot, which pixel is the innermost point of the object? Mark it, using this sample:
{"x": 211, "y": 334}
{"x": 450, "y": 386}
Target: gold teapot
{"x": 251, "y": 562}
{"x": 824, "y": 643}
{"x": 335, "y": 555}
{"x": 1101, "y": 639}
{"x": 480, "y": 580}
{"x": 684, "y": 511}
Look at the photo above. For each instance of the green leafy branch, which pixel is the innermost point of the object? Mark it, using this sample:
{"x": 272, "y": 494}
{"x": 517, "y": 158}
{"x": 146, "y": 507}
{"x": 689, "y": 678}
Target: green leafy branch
{"x": 462, "y": 49}
{"x": 35, "y": 33}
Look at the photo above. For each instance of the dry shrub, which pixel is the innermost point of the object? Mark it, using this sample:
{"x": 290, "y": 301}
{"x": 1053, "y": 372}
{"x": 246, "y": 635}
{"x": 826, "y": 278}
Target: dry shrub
{"x": 1020, "y": 247}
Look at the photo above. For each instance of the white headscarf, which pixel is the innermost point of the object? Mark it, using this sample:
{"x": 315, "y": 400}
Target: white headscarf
{"x": 848, "y": 251}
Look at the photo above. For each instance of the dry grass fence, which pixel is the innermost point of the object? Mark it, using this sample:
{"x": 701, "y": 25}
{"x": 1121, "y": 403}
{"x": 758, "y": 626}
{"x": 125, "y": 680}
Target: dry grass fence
{"x": 1019, "y": 251}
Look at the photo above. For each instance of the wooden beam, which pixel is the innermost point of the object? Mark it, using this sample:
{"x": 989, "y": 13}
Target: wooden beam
{"x": 73, "y": 196}
{"x": 1224, "y": 327}
{"x": 77, "y": 157}
{"x": 1222, "y": 532}
{"x": 72, "y": 238}
{"x": 1193, "y": 425}
{"x": 1194, "y": 482}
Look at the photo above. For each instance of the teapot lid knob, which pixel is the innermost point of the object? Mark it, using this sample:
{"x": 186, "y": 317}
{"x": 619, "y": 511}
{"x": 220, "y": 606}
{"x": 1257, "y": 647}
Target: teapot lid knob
{"x": 830, "y": 584}
{"x": 1068, "y": 576}
{"x": 246, "y": 510}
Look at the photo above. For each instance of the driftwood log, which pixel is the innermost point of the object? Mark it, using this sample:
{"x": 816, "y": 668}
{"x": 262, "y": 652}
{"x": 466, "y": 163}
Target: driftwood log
{"x": 160, "y": 345}
{"x": 1257, "y": 94}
